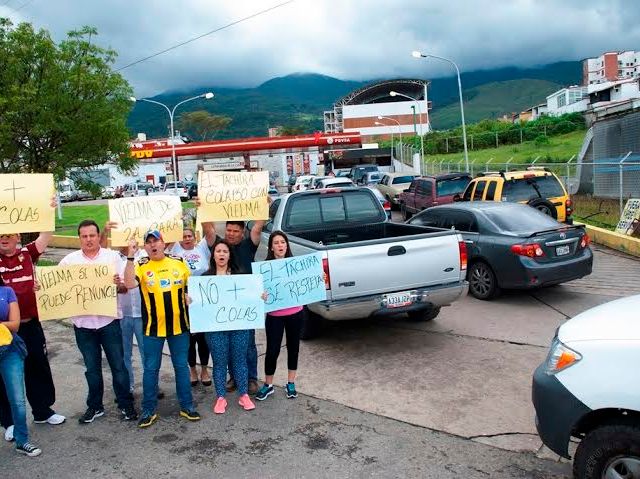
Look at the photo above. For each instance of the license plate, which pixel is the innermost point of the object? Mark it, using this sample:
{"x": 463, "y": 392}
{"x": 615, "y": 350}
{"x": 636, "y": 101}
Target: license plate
{"x": 562, "y": 250}
{"x": 397, "y": 300}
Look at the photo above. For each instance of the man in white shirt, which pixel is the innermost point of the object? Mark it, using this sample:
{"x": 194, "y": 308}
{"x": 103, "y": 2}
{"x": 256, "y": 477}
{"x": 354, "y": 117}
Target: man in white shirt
{"x": 96, "y": 333}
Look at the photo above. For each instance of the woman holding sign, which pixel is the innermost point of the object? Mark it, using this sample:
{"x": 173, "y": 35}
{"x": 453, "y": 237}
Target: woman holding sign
{"x": 276, "y": 323}
{"x": 228, "y": 346}
{"x": 12, "y": 354}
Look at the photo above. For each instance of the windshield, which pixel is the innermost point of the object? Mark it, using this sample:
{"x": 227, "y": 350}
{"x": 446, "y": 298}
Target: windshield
{"x": 525, "y": 189}
{"x": 453, "y": 186}
{"x": 402, "y": 179}
{"x": 527, "y": 221}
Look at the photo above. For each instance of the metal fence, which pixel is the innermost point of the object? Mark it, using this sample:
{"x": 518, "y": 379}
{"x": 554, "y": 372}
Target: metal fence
{"x": 613, "y": 178}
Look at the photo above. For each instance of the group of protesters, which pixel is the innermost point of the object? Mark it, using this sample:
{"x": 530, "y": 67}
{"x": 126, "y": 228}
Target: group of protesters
{"x": 153, "y": 304}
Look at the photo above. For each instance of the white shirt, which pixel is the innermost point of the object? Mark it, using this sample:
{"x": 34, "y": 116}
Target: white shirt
{"x": 197, "y": 259}
{"x": 131, "y": 299}
{"x": 104, "y": 256}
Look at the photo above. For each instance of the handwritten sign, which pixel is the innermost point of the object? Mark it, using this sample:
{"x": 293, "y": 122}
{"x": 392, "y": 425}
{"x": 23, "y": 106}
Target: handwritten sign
{"x": 294, "y": 281}
{"x": 76, "y": 290}
{"x": 226, "y": 303}
{"x": 25, "y": 203}
{"x": 628, "y": 223}
{"x": 135, "y": 216}
{"x": 239, "y": 196}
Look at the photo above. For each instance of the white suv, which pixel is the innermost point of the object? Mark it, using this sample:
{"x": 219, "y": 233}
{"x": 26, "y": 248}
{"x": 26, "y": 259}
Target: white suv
{"x": 589, "y": 389}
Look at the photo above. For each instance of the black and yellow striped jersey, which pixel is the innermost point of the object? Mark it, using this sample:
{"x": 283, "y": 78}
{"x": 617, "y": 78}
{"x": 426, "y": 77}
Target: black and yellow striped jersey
{"x": 163, "y": 290}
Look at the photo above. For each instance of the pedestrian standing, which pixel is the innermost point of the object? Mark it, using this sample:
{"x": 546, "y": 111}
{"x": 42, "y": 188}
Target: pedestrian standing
{"x": 162, "y": 280}
{"x": 12, "y": 353}
{"x": 98, "y": 333}
{"x": 17, "y": 266}
{"x": 196, "y": 256}
{"x": 276, "y": 323}
{"x": 228, "y": 348}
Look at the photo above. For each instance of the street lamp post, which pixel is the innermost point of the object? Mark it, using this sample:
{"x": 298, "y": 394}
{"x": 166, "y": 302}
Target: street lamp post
{"x": 417, "y": 54}
{"x": 399, "y": 133}
{"x": 206, "y": 96}
{"x": 395, "y": 93}
{"x": 382, "y": 124}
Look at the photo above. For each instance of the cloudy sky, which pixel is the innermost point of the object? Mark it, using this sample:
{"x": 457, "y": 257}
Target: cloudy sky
{"x": 348, "y": 39}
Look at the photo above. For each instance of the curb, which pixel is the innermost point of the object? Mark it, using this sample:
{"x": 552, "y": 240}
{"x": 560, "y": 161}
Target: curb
{"x": 613, "y": 240}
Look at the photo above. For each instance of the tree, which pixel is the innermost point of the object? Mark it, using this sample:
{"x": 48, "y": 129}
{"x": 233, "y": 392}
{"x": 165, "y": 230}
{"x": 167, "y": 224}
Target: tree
{"x": 62, "y": 107}
{"x": 291, "y": 130}
{"x": 202, "y": 124}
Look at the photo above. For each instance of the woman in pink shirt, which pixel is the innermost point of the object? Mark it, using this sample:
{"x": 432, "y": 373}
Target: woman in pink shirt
{"x": 276, "y": 323}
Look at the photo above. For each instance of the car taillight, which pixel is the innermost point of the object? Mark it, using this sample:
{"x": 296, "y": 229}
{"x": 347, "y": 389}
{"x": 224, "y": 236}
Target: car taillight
{"x": 386, "y": 205}
{"x": 568, "y": 205}
{"x": 585, "y": 241}
{"x": 462, "y": 248}
{"x": 327, "y": 277}
{"x": 532, "y": 250}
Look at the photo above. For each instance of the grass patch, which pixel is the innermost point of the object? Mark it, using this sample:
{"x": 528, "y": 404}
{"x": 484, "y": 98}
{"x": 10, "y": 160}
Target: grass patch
{"x": 46, "y": 262}
{"x": 600, "y": 212}
{"x": 559, "y": 149}
{"x": 73, "y": 215}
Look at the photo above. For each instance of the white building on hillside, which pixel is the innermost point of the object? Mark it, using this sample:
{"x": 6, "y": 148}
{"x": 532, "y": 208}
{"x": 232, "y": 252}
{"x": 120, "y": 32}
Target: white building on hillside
{"x": 611, "y": 66}
{"x": 568, "y": 100}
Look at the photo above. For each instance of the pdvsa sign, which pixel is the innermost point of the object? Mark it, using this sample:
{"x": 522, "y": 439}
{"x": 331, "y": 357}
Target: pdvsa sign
{"x": 140, "y": 154}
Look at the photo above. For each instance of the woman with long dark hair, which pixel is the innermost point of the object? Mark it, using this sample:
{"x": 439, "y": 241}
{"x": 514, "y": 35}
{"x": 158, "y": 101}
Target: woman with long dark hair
{"x": 276, "y": 323}
{"x": 228, "y": 347}
{"x": 12, "y": 354}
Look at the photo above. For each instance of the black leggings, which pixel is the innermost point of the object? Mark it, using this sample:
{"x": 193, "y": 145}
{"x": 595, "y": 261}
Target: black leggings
{"x": 203, "y": 349}
{"x": 275, "y": 327}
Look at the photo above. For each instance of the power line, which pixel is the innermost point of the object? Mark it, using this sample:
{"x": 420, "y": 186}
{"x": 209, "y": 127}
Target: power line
{"x": 253, "y": 15}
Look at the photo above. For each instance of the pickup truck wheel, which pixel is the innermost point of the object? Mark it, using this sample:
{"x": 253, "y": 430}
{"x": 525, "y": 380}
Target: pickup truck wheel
{"x": 424, "y": 314}
{"x": 311, "y": 325}
{"x": 482, "y": 281}
{"x": 609, "y": 451}
{"x": 405, "y": 214}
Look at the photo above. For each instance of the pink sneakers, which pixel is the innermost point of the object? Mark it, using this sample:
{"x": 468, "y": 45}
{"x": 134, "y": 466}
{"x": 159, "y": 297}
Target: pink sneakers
{"x": 246, "y": 403}
{"x": 220, "y": 406}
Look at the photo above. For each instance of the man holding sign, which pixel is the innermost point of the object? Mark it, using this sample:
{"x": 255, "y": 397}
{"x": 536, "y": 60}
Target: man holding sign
{"x": 96, "y": 333}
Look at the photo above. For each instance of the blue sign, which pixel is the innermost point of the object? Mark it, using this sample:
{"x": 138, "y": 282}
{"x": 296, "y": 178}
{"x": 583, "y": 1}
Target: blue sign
{"x": 294, "y": 281}
{"x": 226, "y": 303}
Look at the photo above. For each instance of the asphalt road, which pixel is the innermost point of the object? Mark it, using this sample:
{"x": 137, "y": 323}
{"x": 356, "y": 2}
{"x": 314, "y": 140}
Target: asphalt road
{"x": 383, "y": 398}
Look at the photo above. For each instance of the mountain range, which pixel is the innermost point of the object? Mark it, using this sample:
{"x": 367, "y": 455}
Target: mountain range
{"x": 299, "y": 100}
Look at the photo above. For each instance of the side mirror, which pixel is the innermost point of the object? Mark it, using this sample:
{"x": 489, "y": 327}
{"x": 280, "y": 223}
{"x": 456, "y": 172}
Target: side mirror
{"x": 457, "y": 197}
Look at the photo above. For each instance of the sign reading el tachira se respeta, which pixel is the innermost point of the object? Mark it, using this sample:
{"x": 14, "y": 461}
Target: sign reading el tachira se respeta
{"x": 135, "y": 216}
{"x": 226, "y": 303}
{"x": 76, "y": 290}
{"x": 294, "y": 281}
{"x": 229, "y": 196}
{"x": 25, "y": 203}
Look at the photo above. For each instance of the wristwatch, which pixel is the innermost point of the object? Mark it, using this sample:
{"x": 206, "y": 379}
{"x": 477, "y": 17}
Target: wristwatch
{"x": 130, "y": 258}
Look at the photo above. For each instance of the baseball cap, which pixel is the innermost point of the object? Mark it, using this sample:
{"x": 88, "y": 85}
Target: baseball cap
{"x": 155, "y": 233}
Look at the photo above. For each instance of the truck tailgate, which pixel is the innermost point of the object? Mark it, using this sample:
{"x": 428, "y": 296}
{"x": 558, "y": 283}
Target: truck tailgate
{"x": 396, "y": 265}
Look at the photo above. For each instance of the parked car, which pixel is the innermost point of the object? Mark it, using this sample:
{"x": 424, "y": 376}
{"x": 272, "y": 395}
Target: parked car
{"x": 392, "y": 184}
{"x": 84, "y": 195}
{"x": 512, "y": 246}
{"x": 340, "y": 172}
{"x": 141, "y": 188}
{"x": 335, "y": 182}
{"x": 67, "y": 193}
{"x": 302, "y": 183}
{"x": 357, "y": 172}
{"x": 108, "y": 192}
{"x": 537, "y": 187}
{"x": 371, "y": 178}
{"x": 291, "y": 181}
{"x": 273, "y": 193}
{"x": 192, "y": 189}
{"x": 587, "y": 389}
{"x": 315, "y": 180}
{"x": 427, "y": 191}
{"x": 386, "y": 204}
{"x": 350, "y": 228}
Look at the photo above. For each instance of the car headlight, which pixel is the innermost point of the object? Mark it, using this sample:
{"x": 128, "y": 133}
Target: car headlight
{"x": 561, "y": 357}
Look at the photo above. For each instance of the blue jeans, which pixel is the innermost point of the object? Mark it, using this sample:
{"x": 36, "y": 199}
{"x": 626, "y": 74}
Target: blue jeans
{"x": 91, "y": 343}
{"x": 12, "y": 372}
{"x": 179, "y": 348}
{"x": 229, "y": 348}
{"x": 131, "y": 325}
{"x": 252, "y": 355}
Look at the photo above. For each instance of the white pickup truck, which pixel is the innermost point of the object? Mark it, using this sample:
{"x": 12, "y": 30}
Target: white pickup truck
{"x": 373, "y": 267}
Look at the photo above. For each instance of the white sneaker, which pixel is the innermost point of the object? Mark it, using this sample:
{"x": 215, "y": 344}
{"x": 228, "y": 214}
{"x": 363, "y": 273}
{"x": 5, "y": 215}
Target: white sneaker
{"x": 54, "y": 419}
{"x": 8, "y": 434}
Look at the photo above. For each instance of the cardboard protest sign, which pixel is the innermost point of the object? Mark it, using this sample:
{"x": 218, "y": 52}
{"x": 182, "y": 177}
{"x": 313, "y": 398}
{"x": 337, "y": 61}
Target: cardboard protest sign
{"x": 628, "y": 224}
{"x": 239, "y": 196}
{"x": 135, "y": 216}
{"x": 76, "y": 290}
{"x": 25, "y": 203}
{"x": 226, "y": 303}
{"x": 294, "y": 281}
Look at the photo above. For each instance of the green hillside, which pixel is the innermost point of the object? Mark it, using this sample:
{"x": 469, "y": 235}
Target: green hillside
{"x": 494, "y": 100}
